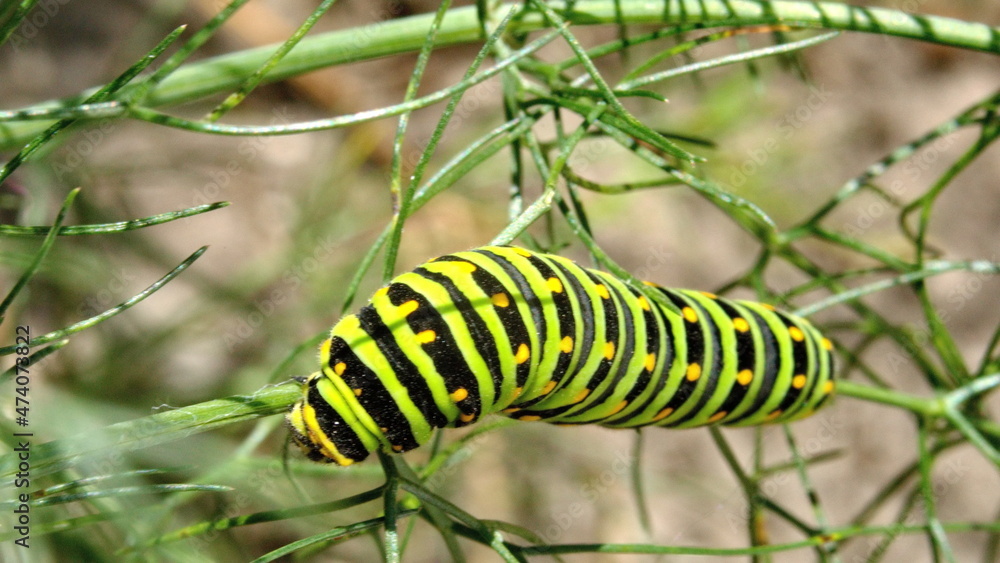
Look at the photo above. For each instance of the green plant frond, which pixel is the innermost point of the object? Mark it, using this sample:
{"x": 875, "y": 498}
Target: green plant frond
{"x": 558, "y": 91}
{"x": 50, "y": 239}
{"x": 119, "y": 492}
{"x": 756, "y": 54}
{"x": 102, "y": 94}
{"x": 462, "y": 25}
{"x": 87, "y": 323}
{"x": 107, "y": 228}
{"x": 328, "y": 538}
{"x": 262, "y": 517}
{"x": 158, "y": 428}
{"x": 260, "y": 74}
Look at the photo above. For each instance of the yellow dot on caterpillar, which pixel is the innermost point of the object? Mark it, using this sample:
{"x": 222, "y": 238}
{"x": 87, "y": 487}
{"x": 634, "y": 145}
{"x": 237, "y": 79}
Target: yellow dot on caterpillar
{"x": 602, "y": 290}
{"x": 773, "y": 415}
{"x": 827, "y": 344}
{"x": 459, "y": 394}
{"x": 566, "y": 344}
{"x": 382, "y": 292}
{"x": 643, "y": 303}
{"x": 796, "y": 334}
{"x": 799, "y": 381}
{"x": 339, "y": 368}
{"x": 618, "y": 408}
{"x": 511, "y": 410}
{"x": 663, "y": 414}
{"x": 581, "y": 396}
{"x": 397, "y": 448}
{"x": 464, "y": 267}
{"x": 649, "y": 283}
{"x": 522, "y": 252}
{"x": 650, "y": 362}
{"x": 709, "y": 294}
{"x": 693, "y": 372}
{"x": 408, "y": 307}
{"x": 426, "y": 336}
{"x": 689, "y": 315}
{"x": 518, "y": 391}
{"x": 555, "y": 286}
{"x": 741, "y": 324}
{"x": 357, "y": 392}
{"x": 609, "y": 350}
{"x": 717, "y": 416}
{"x": 767, "y": 306}
{"x": 500, "y": 299}
{"x": 828, "y": 387}
{"x": 744, "y": 377}
{"x": 548, "y": 387}
{"x": 383, "y": 429}
{"x": 529, "y": 417}
{"x": 467, "y": 417}
{"x": 522, "y": 354}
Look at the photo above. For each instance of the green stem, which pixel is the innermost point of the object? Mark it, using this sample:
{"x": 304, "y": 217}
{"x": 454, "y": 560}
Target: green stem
{"x": 462, "y": 26}
{"x": 822, "y": 539}
{"x": 391, "y": 547}
{"x": 926, "y": 407}
{"x": 155, "y": 429}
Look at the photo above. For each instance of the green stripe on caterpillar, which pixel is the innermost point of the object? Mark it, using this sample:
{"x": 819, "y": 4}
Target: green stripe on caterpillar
{"x": 537, "y": 337}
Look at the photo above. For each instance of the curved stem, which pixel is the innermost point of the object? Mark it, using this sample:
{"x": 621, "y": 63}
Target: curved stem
{"x": 462, "y": 26}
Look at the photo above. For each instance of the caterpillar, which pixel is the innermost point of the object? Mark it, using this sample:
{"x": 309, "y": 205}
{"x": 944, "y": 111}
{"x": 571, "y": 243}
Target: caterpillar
{"x": 534, "y": 336}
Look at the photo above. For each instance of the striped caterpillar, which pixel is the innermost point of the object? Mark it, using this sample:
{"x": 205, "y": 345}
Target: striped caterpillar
{"x": 537, "y": 337}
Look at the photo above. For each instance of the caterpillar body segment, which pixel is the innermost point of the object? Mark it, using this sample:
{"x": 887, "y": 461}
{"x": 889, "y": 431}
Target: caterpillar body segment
{"x": 537, "y": 337}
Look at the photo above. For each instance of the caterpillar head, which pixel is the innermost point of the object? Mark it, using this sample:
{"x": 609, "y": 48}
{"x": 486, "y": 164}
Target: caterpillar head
{"x": 319, "y": 430}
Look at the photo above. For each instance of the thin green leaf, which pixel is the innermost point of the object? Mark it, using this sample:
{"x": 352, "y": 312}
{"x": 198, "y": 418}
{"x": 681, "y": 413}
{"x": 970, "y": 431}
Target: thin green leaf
{"x": 102, "y": 94}
{"x": 203, "y": 528}
{"x": 128, "y": 491}
{"x": 258, "y": 76}
{"x": 36, "y": 263}
{"x": 334, "y": 535}
{"x": 10, "y": 25}
{"x": 153, "y": 116}
{"x": 754, "y": 54}
{"x": 156, "y": 429}
{"x": 105, "y": 228}
{"x": 87, "y": 323}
